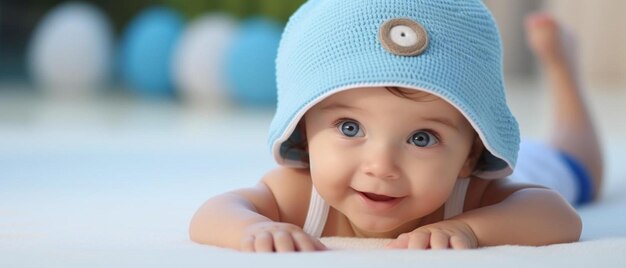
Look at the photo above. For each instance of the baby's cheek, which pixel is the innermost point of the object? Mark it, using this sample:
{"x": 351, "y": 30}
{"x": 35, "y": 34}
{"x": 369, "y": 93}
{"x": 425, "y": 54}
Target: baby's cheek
{"x": 330, "y": 177}
{"x": 327, "y": 172}
{"x": 433, "y": 184}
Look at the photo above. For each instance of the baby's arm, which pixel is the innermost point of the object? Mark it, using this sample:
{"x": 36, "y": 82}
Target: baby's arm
{"x": 509, "y": 213}
{"x": 249, "y": 219}
{"x": 533, "y": 216}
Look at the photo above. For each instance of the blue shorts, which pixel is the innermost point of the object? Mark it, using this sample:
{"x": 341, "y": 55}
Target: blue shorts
{"x": 539, "y": 163}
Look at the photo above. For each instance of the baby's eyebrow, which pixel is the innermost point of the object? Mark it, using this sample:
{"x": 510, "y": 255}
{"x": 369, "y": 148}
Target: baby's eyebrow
{"x": 339, "y": 106}
{"x": 443, "y": 121}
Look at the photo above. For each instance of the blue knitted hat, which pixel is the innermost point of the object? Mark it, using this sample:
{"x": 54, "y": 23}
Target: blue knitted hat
{"x": 449, "y": 48}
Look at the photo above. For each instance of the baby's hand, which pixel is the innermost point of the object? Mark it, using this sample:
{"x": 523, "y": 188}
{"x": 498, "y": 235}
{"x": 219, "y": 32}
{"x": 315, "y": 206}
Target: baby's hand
{"x": 278, "y": 237}
{"x": 446, "y": 234}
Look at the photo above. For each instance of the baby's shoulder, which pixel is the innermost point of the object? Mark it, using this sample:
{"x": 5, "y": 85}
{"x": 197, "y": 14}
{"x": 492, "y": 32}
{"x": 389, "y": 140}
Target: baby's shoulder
{"x": 484, "y": 192}
{"x": 288, "y": 179}
{"x": 291, "y": 189}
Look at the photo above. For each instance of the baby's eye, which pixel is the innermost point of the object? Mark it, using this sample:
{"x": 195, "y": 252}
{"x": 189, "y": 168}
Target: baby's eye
{"x": 423, "y": 139}
{"x": 350, "y": 129}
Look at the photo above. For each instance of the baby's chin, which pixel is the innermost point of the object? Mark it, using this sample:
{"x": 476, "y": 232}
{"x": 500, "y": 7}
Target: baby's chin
{"x": 382, "y": 227}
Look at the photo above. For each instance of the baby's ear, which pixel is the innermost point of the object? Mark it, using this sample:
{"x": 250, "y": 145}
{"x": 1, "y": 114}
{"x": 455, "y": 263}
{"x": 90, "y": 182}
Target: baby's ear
{"x": 303, "y": 142}
{"x": 472, "y": 158}
{"x": 301, "y": 127}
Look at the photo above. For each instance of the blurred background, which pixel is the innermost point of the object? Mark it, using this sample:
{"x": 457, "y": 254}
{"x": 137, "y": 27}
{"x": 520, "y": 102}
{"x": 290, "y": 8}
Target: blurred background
{"x": 119, "y": 118}
{"x": 40, "y": 40}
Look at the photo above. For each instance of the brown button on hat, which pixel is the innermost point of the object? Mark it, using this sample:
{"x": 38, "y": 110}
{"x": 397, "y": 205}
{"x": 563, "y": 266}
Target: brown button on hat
{"x": 403, "y": 37}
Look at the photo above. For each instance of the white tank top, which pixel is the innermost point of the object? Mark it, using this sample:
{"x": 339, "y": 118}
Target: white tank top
{"x": 318, "y": 208}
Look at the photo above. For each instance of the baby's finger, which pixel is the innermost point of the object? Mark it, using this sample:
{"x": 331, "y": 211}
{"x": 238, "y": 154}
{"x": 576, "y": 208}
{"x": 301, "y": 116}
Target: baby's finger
{"x": 264, "y": 242}
{"x": 439, "y": 240}
{"x": 247, "y": 244}
{"x": 319, "y": 245}
{"x": 419, "y": 240}
{"x": 303, "y": 242}
{"x": 459, "y": 242}
{"x": 283, "y": 242}
{"x": 401, "y": 242}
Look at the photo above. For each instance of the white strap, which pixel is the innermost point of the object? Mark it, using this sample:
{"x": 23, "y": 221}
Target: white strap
{"x": 454, "y": 205}
{"x": 316, "y": 216}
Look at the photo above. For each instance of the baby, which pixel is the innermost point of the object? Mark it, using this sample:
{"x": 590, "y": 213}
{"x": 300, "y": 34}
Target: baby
{"x": 392, "y": 123}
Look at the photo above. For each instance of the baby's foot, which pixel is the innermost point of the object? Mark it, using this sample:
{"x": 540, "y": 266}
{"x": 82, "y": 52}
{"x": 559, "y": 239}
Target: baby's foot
{"x": 550, "y": 42}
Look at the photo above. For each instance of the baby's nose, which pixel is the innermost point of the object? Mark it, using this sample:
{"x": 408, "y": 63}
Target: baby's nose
{"x": 381, "y": 163}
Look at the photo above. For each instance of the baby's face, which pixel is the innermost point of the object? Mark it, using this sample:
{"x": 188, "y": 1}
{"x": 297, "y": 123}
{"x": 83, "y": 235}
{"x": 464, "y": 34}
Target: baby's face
{"x": 384, "y": 160}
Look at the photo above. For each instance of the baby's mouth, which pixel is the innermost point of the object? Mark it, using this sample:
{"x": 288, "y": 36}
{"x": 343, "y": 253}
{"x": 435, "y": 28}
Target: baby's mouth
{"x": 379, "y": 202}
{"x": 378, "y": 198}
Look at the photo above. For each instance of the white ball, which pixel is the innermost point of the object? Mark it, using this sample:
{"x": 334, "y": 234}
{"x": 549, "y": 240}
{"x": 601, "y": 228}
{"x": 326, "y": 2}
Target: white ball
{"x": 199, "y": 58}
{"x": 71, "y": 50}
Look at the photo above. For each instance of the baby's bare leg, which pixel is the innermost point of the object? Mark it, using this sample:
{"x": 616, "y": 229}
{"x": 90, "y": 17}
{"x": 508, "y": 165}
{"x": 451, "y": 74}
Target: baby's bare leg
{"x": 573, "y": 130}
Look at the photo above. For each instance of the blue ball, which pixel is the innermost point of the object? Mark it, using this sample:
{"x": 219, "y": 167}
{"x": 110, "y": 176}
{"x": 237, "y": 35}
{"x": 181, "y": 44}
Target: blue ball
{"x": 147, "y": 50}
{"x": 250, "y": 67}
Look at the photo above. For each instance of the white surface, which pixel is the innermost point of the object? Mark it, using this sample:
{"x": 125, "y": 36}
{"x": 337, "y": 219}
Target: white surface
{"x": 114, "y": 184}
